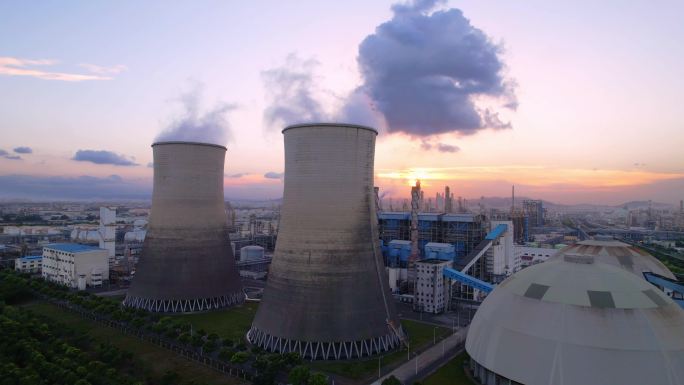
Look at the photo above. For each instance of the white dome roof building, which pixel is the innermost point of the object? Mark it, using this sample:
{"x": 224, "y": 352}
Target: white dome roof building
{"x": 619, "y": 254}
{"x": 572, "y": 321}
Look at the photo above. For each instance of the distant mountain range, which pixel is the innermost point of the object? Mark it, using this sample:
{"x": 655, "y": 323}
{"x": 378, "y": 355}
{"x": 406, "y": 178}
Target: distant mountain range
{"x": 505, "y": 203}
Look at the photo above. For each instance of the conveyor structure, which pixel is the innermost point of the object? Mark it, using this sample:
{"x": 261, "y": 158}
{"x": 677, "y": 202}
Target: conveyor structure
{"x": 667, "y": 283}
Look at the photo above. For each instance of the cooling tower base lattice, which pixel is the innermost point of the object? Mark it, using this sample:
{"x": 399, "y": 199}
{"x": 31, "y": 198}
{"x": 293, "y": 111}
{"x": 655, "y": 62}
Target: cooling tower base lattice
{"x": 184, "y": 305}
{"x": 312, "y": 350}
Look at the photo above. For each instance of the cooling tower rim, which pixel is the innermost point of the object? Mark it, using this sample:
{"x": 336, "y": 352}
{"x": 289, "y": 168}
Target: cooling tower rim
{"x": 347, "y": 125}
{"x": 187, "y": 142}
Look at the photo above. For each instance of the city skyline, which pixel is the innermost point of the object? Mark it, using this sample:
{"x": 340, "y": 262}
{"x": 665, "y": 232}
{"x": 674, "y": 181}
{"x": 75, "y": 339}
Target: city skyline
{"x": 592, "y": 96}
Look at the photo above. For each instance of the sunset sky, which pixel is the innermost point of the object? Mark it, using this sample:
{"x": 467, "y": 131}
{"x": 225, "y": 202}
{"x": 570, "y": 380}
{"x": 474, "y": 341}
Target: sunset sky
{"x": 573, "y": 102}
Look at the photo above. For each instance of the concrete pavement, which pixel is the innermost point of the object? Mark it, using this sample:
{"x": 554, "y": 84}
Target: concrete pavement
{"x": 406, "y": 373}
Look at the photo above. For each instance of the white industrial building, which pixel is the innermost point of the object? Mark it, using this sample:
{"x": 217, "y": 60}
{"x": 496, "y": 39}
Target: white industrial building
{"x": 29, "y": 264}
{"x": 251, "y": 253}
{"x": 431, "y": 294}
{"x": 576, "y": 321}
{"x": 501, "y": 259}
{"x": 529, "y": 256}
{"x": 75, "y": 265}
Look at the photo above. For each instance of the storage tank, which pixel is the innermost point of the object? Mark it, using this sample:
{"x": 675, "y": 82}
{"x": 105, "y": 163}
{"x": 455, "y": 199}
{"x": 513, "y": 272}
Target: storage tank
{"x": 186, "y": 263}
{"x": 327, "y": 295}
{"x": 251, "y": 253}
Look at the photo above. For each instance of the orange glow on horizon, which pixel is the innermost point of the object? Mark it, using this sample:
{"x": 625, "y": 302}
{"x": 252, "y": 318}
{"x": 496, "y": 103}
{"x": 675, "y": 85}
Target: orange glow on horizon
{"x": 537, "y": 176}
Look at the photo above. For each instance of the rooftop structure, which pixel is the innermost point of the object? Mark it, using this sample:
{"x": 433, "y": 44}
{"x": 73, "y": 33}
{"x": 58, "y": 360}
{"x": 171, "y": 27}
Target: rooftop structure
{"x": 327, "y": 296}
{"x": 71, "y": 247}
{"x": 187, "y": 263}
{"x": 575, "y": 321}
{"x": 630, "y": 258}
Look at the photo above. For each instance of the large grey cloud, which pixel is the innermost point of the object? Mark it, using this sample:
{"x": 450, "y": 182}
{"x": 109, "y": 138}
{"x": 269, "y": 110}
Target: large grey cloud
{"x": 290, "y": 90}
{"x": 423, "y": 71}
{"x": 23, "y": 150}
{"x": 7, "y": 155}
{"x": 81, "y": 187}
{"x": 103, "y": 157}
{"x": 273, "y": 175}
{"x": 441, "y": 147}
{"x": 211, "y": 126}
{"x": 236, "y": 176}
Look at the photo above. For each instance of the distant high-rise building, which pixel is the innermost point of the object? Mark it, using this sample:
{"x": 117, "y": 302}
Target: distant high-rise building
{"x": 535, "y": 212}
{"x": 107, "y": 232}
{"x": 448, "y": 200}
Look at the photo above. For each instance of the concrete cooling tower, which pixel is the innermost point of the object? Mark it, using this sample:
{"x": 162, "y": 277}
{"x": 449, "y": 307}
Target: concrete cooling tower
{"x": 327, "y": 295}
{"x": 187, "y": 263}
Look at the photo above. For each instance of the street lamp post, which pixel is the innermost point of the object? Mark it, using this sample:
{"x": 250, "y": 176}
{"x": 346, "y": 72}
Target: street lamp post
{"x": 379, "y": 357}
{"x": 416, "y": 364}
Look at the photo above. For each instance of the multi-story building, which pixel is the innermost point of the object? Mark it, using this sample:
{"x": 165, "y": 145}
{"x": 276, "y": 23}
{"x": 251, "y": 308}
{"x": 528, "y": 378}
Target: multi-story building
{"x": 29, "y": 264}
{"x": 432, "y": 288}
{"x": 534, "y": 209}
{"x": 75, "y": 265}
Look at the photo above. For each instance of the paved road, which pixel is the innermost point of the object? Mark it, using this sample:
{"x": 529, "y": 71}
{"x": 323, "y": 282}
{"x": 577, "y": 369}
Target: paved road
{"x": 412, "y": 370}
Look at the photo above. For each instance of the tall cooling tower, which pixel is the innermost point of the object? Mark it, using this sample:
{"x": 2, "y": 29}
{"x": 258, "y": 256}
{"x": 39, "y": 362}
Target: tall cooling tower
{"x": 187, "y": 263}
{"x": 327, "y": 295}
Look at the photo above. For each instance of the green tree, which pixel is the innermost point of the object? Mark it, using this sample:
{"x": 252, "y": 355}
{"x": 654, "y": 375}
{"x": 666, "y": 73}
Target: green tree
{"x": 299, "y": 375}
{"x": 170, "y": 378}
{"x": 239, "y": 357}
{"x": 318, "y": 379}
{"x": 391, "y": 380}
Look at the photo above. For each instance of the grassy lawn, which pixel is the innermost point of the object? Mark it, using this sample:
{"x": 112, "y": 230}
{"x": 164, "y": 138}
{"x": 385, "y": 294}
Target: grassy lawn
{"x": 420, "y": 336}
{"x": 154, "y": 359}
{"x": 232, "y": 323}
{"x": 451, "y": 373}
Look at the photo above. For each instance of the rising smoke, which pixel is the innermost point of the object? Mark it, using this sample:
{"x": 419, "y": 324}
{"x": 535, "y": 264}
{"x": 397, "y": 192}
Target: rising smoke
{"x": 211, "y": 126}
{"x": 290, "y": 89}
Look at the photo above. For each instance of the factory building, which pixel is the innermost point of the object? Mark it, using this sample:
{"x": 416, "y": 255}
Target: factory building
{"x": 529, "y": 255}
{"x": 576, "y": 321}
{"x": 327, "y": 295}
{"x": 463, "y": 231}
{"x": 442, "y": 251}
{"x": 251, "y": 253}
{"x": 29, "y": 264}
{"x": 107, "y": 232}
{"x": 432, "y": 288}
{"x": 534, "y": 210}
{"x": 75, "y": 265}
{"x": 187, "y": 263}
{"x": 396, "y": 253}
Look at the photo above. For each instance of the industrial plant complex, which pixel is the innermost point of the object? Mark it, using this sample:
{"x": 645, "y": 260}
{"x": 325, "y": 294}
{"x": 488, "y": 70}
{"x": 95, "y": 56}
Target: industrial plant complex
{"x": 539, "y": 295}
